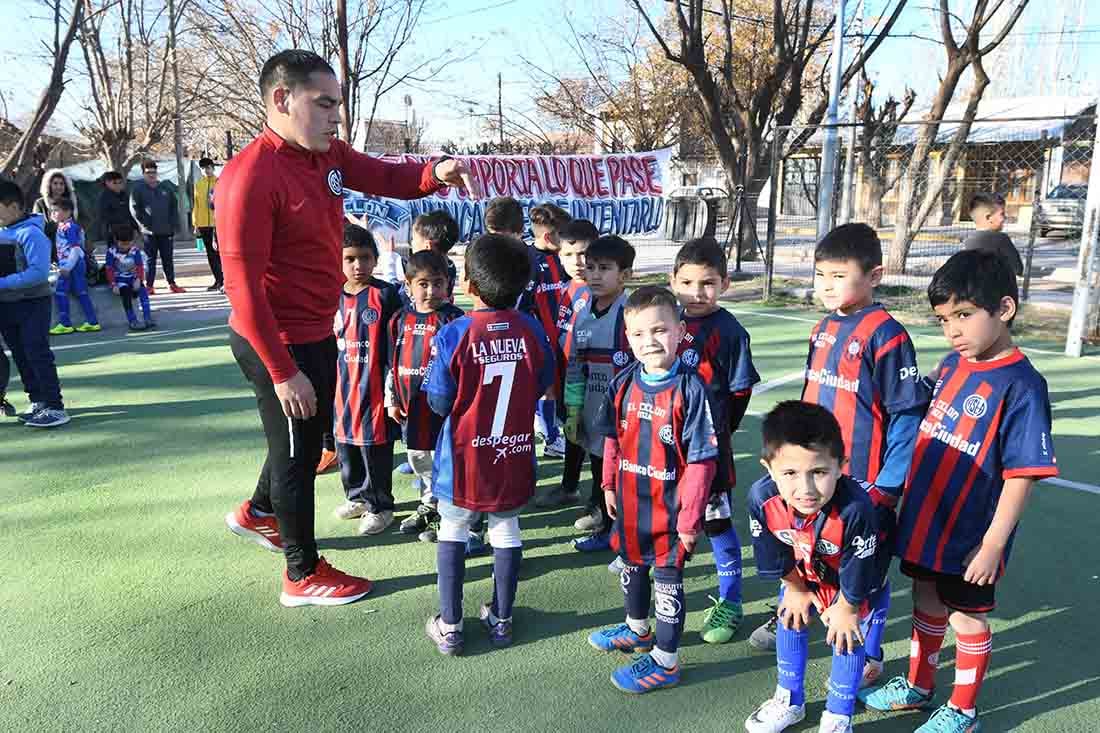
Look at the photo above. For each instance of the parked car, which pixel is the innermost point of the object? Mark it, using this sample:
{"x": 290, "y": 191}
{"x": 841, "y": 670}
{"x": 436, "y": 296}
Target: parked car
{"x": 1062, "y": 209}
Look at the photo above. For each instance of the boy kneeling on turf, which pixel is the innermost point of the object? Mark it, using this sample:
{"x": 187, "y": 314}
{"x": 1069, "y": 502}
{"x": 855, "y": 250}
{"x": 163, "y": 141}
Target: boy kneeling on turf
{"x": 815, "y": 529}
{"x": 660, "y": 457}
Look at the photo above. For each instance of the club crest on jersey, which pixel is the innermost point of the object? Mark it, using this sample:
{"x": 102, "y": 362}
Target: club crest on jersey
{"x": 370, "y": 316}
{"x": 690, "y": 358}
{"x": 825, "y": 547}
{"x": 335, "y": 179}
{"x": 975, "y": 406}
{"x": 786, "y": 536}
{"x": 665, "y": 434}
{"x": 579, "y": 304}
{"x": 621, "y": 358}
{"x": 853, "y": 350}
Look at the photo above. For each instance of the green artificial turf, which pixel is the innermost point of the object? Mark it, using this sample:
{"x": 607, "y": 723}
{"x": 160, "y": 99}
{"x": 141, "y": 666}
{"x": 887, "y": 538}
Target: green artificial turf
{"x": 127, "y": 606}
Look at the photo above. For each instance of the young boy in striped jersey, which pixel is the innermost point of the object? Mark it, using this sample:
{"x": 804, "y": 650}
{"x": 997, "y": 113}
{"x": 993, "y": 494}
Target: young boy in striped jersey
{"x": 659, "y": 460}
{"x": 983, "y": 444}
{"x": 862, "y": 366}
{"x": 411, "y": 332}
{"x": 363, "y": 431}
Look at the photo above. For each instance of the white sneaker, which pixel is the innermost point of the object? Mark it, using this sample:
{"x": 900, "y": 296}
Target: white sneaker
{"x": 833, "y": 723}
{"x": 555, "y": 449}
{"x": 775, "y": 714}
{"x": 590, "y": 521}
{"x": 872, "y": 671}
{"x": 372, "y": 523}
{"x": 350, "y": 510}
{"x": 616, "y": 566}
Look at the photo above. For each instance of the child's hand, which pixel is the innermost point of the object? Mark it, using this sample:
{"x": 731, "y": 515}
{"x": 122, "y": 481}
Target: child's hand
{"x": 396, "y": 414}
{"x": 794, "y": 611}
{"x": 609, "y": 502}
{"x": 688, "y": 541}
{"x": 982, "y": 565}
{"x": 842, "y": 620}
{"x": 572, "y": 426}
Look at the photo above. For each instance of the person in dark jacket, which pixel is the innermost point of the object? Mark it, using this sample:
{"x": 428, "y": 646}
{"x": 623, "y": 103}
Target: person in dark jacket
{"x": 988, "y": 212}
{"x": 113, "y": 207}
{"x": 154, "y": 208}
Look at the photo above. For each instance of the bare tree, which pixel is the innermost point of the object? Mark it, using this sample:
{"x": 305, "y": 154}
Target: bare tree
{"x": 963, "y": 53}
{"x": 19, "y": 163}
{"x": 877, "y": 128}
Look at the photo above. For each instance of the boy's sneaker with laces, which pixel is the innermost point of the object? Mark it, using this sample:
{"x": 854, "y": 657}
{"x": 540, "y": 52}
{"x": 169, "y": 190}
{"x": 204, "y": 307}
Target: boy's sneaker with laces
{"x": 897, "y": 694}
{"x": 447, "y": 641}
{"x": 872, "y": 673}
{"x": 50, "y": 417}
{"x": 151, "y": 290}
{"x": 7, "y": 408}
{"x": 721, "y": 621}
{"x": 500, "y": 631}
{"x": 419, "y": 520}
{"x": 834, "y": 723}
{"x": 597, "y": 542}
{"x": 621, "y": 638}
{"x": 62, "y": 330}
{"x": 325, "y": 586}
{"x": 947, "y": 719}
{"x": 263, "y": 530}
{"x": 555, "y": 449}
{"x": 135, "y": 326}
{"x": 590, "y": 521}
{"x": 33, "y": 410}
{"x": 643, "y": 674}
{"x": 176, "y": 288}
{"x": 375, "y": 522}
{"x": 348, "y": 509}
{"x": 89, "y": 327}
{"x": 775, "y": 714}
{"x": 763, "y": 637}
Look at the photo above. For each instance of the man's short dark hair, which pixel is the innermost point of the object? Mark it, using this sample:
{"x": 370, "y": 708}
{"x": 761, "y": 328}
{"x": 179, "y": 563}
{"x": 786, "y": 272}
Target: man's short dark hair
{"x": 983, "y": 200}
{"x": 64, "y": 204}
{"x": 112, "y": 176}
{"x": 803, "y": 424}
{"x": 978, "y": 276}
{"x": 855, "y": 241}
{"x": 704, "y": 251}
{"x": 549, "y": 216}
{"x": 504, "y": 215}
{"x": 651, "y": 296}
{"x": 291, "y": 68}
{"x": 357, "y": 237}
{"x": 579, "y": 230}
{"x": 426, "y": 260}
{"x": 122, "y": 232}
{"x": 611, "y": 247}
{"x": 11, "y": 193}
{"x": 148, "y": 165}
{"x": 206, "y": 163}
{"x": 497, "y": 265}
{"x": 439, "y": 228}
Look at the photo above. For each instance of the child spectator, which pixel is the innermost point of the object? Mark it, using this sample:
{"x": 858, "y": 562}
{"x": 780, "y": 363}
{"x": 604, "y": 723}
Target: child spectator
{"x": 438, "y": 231}
{"x": 716, "y": 347}
{"x": 862, "y": 366}
{"x": 660, "y": 458}
{"x": 126, "y": 273}
{"x": 600, "y": 351}
{"x": 72, "y": 274}
{"x": 363, "y": 432}
{"x": 490, "y": 368}
{"x": 411, "y": 332}
{"x": 987, "y": 210}
{"x": 25, "y": 307}
{"x": 575, "y": 237}
{"x": 815, "y": 530}
{"x": 504, "y": 215}
{"x": 982, "y": 446}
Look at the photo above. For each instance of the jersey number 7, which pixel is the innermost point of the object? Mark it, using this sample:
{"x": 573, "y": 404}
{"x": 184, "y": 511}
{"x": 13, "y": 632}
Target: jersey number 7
{"x": 507, "y": 373}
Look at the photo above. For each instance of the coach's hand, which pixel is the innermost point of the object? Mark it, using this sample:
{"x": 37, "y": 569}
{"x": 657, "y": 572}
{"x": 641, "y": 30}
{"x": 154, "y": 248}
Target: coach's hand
{"x": 396, "y": 414}
{"x": 297, "y": 397}
{"x": 688, "y": 541}
{"x": 456, "y": 173}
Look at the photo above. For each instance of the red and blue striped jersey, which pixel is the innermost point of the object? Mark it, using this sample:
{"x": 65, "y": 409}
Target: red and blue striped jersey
{"x": 660, "y": 428}
{"x": 550, "y": 281}
{"x": 835, "y": 551}
{"x": 574, "y": 298}
{"x": 988, "y": 422}
{"x": 489, "y": 370}
{"x": 362, "y": 339}
{"x": 863, "y": 368}
{"x": 411, "y": 335}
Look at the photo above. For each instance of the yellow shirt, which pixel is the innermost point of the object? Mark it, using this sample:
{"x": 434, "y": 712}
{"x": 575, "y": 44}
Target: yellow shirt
{"x": 203, "y": 215}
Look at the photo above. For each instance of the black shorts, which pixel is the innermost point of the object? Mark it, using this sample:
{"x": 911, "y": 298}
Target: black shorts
{"x": 954, "y": 592}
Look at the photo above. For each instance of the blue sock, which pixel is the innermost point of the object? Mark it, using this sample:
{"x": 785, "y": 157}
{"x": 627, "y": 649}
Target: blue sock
{"x": 727, "y": 558}
{"x": 634, "y": 580}
{"x": 143, "y": 296}
{"x": 844, "y": 681}
{"x": 669, "y": 607}
{"x": 505, "y": 580}
{"x": 88, "y": 307}
{"x": 880, "y": 609}
{"x": 792, "y": 648}
{"x": 451, "y": 561}
{"x": 61, "y": 296}
{"x": 549, "y": 411}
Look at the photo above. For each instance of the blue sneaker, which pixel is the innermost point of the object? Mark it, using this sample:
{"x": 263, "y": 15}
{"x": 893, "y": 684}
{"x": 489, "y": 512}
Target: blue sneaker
{"x": 897, "y": 694}
{"x": 621, "y": 638}
{"x": 598, "y": 542}
{"x": 500, "y": 633}
{"x": 475, "y": 545}
{"x": 447, "y": 642}
{"x": 644, "y": 675}
{"x": 405, "y": 468}
{"x": 947, "y": 719}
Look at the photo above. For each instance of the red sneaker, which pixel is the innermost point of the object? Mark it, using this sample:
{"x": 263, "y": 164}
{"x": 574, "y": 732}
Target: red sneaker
{"x": 328, "y": 460}
{"x": 325, "y": 586}
{"x": 151, "y": 290}
{"x": 262, "y": 530}
{"x": 176, "y": 288}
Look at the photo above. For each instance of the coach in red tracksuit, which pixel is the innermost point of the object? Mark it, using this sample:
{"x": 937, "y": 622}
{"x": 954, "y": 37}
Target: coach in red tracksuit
{"x": 279, "y": 211}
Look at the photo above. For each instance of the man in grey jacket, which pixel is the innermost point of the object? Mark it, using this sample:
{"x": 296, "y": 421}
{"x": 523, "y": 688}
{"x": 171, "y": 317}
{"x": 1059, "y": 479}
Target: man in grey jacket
{"x": 153, "y": 206}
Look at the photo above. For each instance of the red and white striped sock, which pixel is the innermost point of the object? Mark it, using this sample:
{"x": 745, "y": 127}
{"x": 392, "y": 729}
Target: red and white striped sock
{"x": 972, "y": 652}
{"x": 924, "y": 649}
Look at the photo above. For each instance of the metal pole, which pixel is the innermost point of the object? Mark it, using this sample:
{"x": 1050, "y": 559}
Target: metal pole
{"x": 826, "y": 180}
{"x": 500, "y": 109}
{"x": 1038, "y": 194}
{"x": 1084, "y": 292}
{"x": 847, "y": 192}
{"x": 181, "y": 177}
{"x": 773, "y": 204}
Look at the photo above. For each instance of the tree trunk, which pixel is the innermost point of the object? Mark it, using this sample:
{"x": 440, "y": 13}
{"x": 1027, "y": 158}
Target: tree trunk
{"x": 345, "y": 69}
